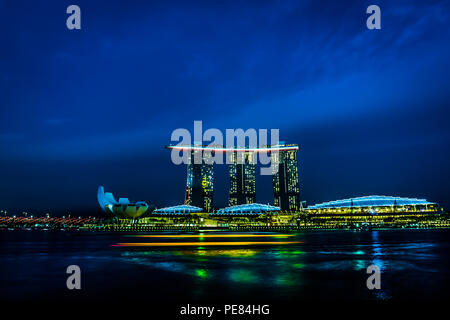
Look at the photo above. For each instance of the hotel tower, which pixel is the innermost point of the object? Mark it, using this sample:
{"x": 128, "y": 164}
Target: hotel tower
{"x": 242, "y": 178}
{"x": 286, "y": 190}
{"x": 200, "y": 180}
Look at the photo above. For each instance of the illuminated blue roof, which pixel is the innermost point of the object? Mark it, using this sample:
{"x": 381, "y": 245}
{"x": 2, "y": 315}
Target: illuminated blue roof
{"x": 252, "y": 208}
{"x": 371, "y": 201}
{"x": 181, "y": 209}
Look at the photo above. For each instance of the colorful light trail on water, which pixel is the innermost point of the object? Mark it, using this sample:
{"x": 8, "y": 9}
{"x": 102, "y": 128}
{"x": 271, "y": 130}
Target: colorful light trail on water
{"x": 213, "y": 243}
{"x": 215, "y": 236}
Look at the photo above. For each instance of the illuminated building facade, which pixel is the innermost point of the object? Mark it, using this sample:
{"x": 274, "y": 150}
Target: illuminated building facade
{"x": 200, "y": 180}
{"x": 122, "y": 208}
{"x": 183, "y": 209}
{"x": 242, "y": 178}
{"x": 247, "y": 209}
{"x": 374, "y": 205}
{"x": 286, "y": 190}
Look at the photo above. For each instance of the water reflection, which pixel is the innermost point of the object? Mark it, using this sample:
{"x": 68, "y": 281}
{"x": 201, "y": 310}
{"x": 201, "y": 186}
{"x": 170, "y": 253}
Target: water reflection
{"x": 231, "y": 253}
{"x": 377, "y": 252}
{"x": 201, "y": 273}
{"x": 320, "y": 265}
{"x": 360, "y": 265}
{"x": 243, "y": 276}
{"x": 287, "y": 279}
{"x": 241, "y": 265}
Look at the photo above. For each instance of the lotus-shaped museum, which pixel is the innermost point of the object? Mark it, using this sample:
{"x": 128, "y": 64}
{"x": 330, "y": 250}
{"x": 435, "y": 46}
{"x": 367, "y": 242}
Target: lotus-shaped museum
{"x": 122, "y": 208}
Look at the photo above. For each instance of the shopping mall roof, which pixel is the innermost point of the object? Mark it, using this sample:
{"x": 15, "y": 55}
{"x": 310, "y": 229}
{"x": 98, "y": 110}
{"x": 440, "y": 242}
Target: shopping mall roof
{"x": 371, "y": 201}
{"x": 252, "y": 208}
{"x": 181, "y": 209}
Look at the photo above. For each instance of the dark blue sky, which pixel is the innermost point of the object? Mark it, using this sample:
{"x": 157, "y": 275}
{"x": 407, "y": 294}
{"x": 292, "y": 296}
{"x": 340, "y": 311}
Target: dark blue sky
{"x": 95, "y": 106}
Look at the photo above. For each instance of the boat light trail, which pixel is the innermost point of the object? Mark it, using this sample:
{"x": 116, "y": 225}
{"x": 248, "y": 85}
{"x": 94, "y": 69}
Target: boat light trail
{"x": 202, "y": 244}
{"x": 215, "y": 236}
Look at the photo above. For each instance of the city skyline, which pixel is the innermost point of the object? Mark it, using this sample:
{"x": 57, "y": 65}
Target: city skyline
{"x": 224, "y": 158}
{"x": 89, "y": 107}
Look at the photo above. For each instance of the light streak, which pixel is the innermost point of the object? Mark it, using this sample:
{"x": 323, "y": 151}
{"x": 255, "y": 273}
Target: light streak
{"x": 215, "y": 236}
{"x": 185, "y": 244}
{"x": 221, "y": 149}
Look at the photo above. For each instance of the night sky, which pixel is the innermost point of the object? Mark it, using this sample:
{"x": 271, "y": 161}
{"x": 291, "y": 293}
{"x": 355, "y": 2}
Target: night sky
{"x": 82, "y": 108}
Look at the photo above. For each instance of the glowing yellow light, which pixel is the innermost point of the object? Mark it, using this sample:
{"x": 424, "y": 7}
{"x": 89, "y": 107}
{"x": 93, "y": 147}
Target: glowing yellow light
{"x": 234, "y": 253}
{"x": 216, "y": 236}
{"x": 176, "y": 244}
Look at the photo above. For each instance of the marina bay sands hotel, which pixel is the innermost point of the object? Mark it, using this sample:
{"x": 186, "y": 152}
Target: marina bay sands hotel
{"x": 241, "y": 162}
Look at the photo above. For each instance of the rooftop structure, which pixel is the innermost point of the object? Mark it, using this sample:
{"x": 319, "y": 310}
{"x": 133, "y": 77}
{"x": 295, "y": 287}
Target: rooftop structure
{"x": 280, "y": 147}
{"x": 181, "y": 209}
{"x": 374, "y": 204}
{"x": 371, "y": 201}
{"x": 252, "y": 208}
